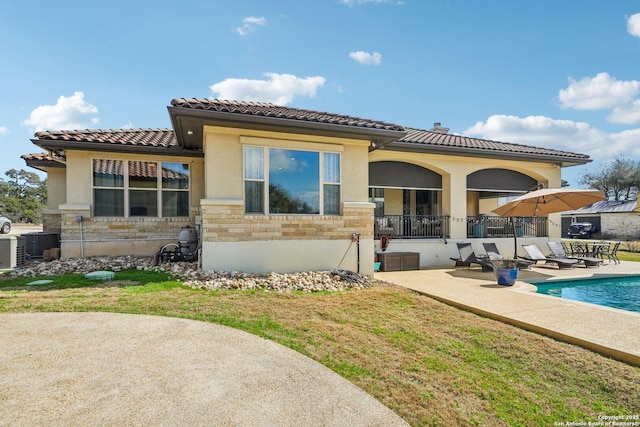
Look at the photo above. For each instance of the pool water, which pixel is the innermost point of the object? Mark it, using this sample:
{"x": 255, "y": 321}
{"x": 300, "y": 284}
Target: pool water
{"x": 616, "y": 292}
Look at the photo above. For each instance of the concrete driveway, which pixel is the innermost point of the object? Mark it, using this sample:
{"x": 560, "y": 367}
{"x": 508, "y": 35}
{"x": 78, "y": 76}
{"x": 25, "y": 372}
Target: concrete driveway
{"x": 17, "y": 229}
{"x": 104, "y": 369}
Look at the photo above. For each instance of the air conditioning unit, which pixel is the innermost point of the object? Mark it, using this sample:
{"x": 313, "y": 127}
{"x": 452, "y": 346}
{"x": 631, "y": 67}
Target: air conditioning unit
{"x": 12, "y": 252}
{"x": 37, "y": 243}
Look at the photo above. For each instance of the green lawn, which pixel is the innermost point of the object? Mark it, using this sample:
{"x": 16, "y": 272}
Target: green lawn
{"x": 629, "y": 256}
{"x": 430, "y": 363}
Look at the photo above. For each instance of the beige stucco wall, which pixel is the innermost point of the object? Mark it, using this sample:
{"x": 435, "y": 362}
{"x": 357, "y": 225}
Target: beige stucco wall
{"x": 56, "y": 187}
{"x": 139, "y": 236}
{"x": 393, "y": 201}
{"x": 261, "y": 243}
{"x": 56, "y": 195}
{"x": 473, "y": 203}
{"x": 80, "y": 174}
{"x": 454, "y": 171}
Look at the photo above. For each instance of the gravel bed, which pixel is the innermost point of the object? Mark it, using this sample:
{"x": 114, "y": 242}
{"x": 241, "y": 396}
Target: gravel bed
{"x": 190, "y": 275}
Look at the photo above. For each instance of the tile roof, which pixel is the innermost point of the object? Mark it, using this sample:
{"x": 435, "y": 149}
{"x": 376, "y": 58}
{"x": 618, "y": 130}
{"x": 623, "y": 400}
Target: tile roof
{"x": 265, "y": 109}
{"x": 42, "y": 157}
{"x": 43, "y": 160}
{"x": 438, "y": 139}
{"x": 161, "y": 138}
{"x": 152, "y": 139}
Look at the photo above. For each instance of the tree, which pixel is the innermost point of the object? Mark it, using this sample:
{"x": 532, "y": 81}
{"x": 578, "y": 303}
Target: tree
{"x": 281, "y": 201}
{"x": 618, "y": 179}
{"x": 23, "y": 196}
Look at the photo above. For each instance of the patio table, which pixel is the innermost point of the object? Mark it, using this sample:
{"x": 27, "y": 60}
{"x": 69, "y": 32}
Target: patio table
{"x": 588, "y": 249}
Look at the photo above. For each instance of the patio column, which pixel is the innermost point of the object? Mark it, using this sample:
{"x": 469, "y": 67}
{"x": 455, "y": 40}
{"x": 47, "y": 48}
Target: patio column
{"x": 454, "y": 203}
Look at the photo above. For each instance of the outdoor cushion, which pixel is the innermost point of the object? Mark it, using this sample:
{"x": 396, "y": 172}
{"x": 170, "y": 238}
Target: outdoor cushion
{"x": 535, "y": 255}
{"x": 558, "y": 251}
{"x": 468, "y": 257}
{"x": 493, "y": 253}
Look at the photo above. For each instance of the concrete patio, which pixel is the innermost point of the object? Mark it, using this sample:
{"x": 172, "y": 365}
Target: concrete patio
{"x": 612, "y": 332}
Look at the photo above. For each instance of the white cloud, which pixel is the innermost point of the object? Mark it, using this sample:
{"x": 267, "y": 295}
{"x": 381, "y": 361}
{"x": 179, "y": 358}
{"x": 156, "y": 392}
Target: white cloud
{"x": 284, "y": 161}
{"x": 541, "y": 131}
{"x": 599, "y": 92}
{"x": 633, "y": 25}
{"x": 249, "y": 25}
{"x": 627, "y": 114}
{"x": 279, "y": 89}
{"x": 71, "y": 112}
{"x": 127, "y": 125}
{"x": 625, "y": 142}
{"x": 566, "y": 135}
{"x": 366, "y": 58}
{"x": 3, "y": 130}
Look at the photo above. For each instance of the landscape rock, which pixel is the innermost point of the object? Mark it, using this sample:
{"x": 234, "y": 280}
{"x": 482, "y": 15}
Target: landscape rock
{"x": 189, "y": 274}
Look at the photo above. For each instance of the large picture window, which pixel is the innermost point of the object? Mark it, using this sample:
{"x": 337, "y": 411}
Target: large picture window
{"x": 136, "y": 188}
{"x": 281, "y": 181}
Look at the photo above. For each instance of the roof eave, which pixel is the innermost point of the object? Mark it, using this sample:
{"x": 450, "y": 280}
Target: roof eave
{"x": 43, "y": 165}
{"x": 53, "y": 145}
{"x": 188, "y": 124}
{"x": 562, "y": 161}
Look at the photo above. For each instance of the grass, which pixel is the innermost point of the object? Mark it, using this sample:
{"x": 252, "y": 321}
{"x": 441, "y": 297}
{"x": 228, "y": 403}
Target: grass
{"x": 430, "y": 363}
{"x": 629, "y": 256}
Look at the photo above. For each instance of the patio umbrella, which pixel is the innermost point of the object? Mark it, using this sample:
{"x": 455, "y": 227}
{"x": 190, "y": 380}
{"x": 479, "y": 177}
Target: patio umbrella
{"x": 546, "y": 201}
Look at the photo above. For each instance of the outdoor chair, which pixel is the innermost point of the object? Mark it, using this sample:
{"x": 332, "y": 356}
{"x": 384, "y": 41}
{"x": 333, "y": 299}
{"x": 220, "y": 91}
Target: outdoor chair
{"x": 535, "y": 255}
{"x": 558, "y": 251}
{"x": 568, "y": 249}
{"x": 578, "y": 248}
{"x": 468, "y": 257}
{"x": 611, "y": 252}
{"x": 493, "y": 253}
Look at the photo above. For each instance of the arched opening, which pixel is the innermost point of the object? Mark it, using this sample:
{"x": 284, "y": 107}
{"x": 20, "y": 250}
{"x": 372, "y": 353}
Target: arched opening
{"x": 488, "y": 189}
{"x": 408, "y": 200}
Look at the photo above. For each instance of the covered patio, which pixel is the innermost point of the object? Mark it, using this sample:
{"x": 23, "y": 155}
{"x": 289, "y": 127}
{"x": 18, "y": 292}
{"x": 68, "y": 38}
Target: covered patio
{"x": 409, "y": 203}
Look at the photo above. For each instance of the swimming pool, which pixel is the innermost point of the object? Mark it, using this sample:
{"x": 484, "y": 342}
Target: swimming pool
{"x": 616, "y": 292}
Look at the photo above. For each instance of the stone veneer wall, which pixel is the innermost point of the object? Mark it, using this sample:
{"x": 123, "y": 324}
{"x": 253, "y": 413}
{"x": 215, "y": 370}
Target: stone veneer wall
{"x": 227, "y": 222}
{"x": 233, "y": 241}
{"x": 138, "y": 236}
{"x": 51, "y": 222}
{"x": 621, "y": 226}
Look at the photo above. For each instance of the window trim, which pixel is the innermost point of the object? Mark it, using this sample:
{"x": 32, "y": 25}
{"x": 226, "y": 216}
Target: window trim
{"x": 265, "y": 179}
{"x": 126, "y": 188}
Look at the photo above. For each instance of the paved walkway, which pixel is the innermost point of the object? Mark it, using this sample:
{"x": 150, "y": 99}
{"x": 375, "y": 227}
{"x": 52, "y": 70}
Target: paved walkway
{"x": 104, "y": 369}
{"x": 612, "y": 332}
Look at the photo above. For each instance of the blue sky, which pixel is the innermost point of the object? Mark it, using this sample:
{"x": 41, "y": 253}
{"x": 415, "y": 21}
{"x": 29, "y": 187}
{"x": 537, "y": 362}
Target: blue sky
{"x": 560, "y": 74}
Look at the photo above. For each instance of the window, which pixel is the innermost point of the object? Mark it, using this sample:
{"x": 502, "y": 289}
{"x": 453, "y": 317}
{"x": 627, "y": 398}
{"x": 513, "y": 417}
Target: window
{"x": 331, "y": 184}
{"x": 175, "y": 189}
{"x": 254, "y": 179}
{"x": 407, "y": 201}
{"x": 143, "y": 189}
{"x": 108, "y": 188}
{"x": 282, "y": 181}
{"x": 137, "y": 189}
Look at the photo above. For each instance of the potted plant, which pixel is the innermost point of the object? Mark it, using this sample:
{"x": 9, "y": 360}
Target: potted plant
{"x": 505, "y": 270}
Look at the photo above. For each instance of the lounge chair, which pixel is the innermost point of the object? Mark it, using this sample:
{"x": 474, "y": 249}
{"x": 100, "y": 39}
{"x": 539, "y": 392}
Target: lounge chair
{"x": 535, "y": 255}
{"x": 468, "y": 257}
{"x": 493, "y": 253}
{"x": 558, "y": 251}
